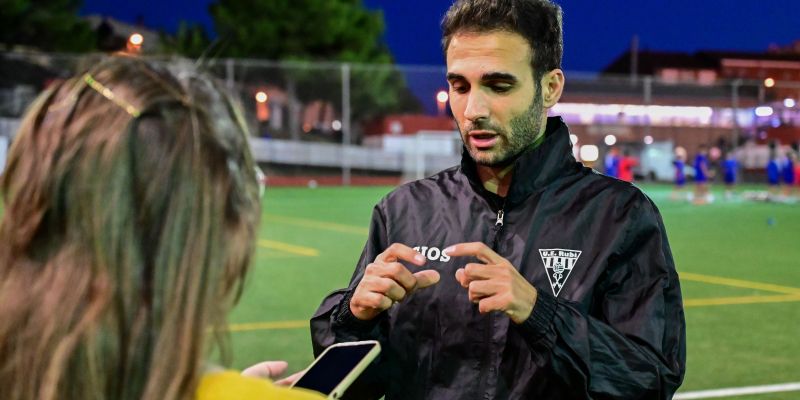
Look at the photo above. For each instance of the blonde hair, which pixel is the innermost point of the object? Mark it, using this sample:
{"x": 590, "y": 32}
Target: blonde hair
{"x": 131, "y": 209}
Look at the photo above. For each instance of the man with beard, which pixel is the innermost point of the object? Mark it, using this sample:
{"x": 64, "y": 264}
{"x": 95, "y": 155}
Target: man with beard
{"x": 519, "y": 273}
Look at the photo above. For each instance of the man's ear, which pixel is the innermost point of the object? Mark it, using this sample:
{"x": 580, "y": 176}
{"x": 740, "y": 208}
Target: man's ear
{"x": 552, "y": 86}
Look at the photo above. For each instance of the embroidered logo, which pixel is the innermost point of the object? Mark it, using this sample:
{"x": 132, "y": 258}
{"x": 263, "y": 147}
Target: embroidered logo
{"x": 558, "y": 263}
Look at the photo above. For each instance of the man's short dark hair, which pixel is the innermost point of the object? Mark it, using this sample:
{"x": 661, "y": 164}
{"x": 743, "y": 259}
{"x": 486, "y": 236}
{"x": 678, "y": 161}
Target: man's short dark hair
{"x": 538, "y": 21}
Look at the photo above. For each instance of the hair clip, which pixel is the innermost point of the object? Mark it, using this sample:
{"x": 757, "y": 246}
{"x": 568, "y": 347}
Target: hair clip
{"x": 107, "y": 93}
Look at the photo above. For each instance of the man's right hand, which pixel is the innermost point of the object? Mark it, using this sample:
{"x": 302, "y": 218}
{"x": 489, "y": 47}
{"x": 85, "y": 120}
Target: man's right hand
{"x": 386, "y": 281}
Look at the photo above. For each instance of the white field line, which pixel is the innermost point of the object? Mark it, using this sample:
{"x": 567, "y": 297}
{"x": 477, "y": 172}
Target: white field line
{"x": 740, "y": 391}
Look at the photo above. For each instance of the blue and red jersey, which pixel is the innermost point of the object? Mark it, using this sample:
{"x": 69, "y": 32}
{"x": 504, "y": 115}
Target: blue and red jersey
{"x": 700, "y": 168}
{"x": 730, "y": 167}
{"x": 773, "y": 172}
{"x": 788, "y": 171}
{"x": 680, "y": 176}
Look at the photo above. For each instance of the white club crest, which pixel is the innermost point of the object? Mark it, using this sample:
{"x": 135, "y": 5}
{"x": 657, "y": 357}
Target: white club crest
{"x": 558, "y": 263}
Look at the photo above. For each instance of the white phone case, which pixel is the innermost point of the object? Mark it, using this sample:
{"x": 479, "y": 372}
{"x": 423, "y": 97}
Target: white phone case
{"x": 351, "y": 376}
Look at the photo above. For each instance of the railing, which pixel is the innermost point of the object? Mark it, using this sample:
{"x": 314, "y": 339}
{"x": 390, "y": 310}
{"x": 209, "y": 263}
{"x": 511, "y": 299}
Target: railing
{"x": 329, "y": 104}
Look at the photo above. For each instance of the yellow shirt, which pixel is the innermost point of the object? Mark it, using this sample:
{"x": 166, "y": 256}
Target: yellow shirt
{"x": 230, "y": 385}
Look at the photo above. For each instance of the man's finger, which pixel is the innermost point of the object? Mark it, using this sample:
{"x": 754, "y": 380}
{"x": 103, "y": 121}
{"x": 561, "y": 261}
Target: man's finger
{"x": 392, "y": 289}
{"x": 399, "y": 251}
{"x": 491, "y": 303}
{"x": 426, "y": 278}
{"x": 476, "y": 249}
{"x": 385, "y": 287}
{"x": 475, "y": 271}
{"x": 397, "y": 272}
{"x": 365, "y": 298}
{"x": 461, "y": 277}
{"x": 481, "y": 289}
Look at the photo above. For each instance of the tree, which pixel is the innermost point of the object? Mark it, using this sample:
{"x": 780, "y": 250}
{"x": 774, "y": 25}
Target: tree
{"x": 190, "y": 40}
{"x": 50, "y": 25}
{"x": 304, "y": 32}
{"x": 340, "y": 30}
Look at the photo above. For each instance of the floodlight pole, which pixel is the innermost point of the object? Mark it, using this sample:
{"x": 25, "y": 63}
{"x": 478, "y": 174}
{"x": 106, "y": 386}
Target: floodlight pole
{"x": 735, "y": 106}
{"x": 648, "y": 100}
{"x": 346, "y": 134}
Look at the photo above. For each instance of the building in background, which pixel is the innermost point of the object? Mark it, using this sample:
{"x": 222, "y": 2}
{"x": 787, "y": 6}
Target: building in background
{"x": 114, "y": 35}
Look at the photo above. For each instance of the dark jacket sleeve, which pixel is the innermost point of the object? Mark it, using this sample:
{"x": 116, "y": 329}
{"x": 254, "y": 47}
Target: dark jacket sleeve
{"x": 334, "y": 323}
{"x": 631, "y": 344}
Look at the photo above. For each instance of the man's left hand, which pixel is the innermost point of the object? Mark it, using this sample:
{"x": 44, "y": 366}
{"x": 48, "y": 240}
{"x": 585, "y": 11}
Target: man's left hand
{"x": 494, "y": 284}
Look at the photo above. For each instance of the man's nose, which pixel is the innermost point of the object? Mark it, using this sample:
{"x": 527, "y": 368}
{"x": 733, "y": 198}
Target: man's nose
{"x": 477, "y": 106}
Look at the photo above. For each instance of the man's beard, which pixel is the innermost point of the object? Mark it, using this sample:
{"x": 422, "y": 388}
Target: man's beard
{"x": 525, "y": 129}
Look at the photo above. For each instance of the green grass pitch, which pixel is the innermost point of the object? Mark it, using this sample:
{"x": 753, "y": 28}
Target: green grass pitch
{"x": 739, "y": 263}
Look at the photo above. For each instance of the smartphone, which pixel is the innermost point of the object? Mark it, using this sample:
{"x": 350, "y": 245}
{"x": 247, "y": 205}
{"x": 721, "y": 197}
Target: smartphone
{"x": 338, "y": 367}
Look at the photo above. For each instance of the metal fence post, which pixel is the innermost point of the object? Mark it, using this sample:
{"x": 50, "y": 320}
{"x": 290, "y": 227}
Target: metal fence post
{"x": 229, "y": 74}
{"x": 735, "y": 108}
{"x": 346, "y": 133}
{"x": 294, "y": 109}
{"x": 648, "y": 100}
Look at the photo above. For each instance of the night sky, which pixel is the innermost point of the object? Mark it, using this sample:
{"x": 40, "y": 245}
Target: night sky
{"x": 595, "y": 31}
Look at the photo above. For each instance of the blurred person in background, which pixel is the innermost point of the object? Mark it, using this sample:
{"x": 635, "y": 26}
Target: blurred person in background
{"x": 787, "y": 173}
{"x": 612, "y": 162}
{"x": 773, "y": 170}
{"x": 130, "y": 221}
{"x": 702, "y": 194}
{"x": 680, "y": 175}
{"x": 626, "y": 165}
{"x": 795, "y": 148}
{"x": 797, "y": 173}
{"x": 730, "y": 171}
{"x": 520, "y": 273}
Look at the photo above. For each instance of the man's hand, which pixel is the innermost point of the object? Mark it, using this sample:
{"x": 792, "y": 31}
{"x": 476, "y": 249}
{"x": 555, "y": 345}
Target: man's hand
{"x": 494, "y": 285}
{"x": 386, "y": 281}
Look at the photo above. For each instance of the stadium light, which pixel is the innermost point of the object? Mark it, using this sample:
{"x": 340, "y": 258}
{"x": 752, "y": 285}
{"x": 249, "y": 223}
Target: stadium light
{"x": 262, "y": 110}
{"x": 441, "y": 101}
{"x": 573, "y": 138}
{"x": 648, "y": 139}
{"x": 136, "y": 39}
{"x": 586, "y": 113}
{"x": 134, "y": 44}
{"x": 769, "y": 82}
{"x": 789, "y": 103}
{"x": 764, "y": 111}
{"x": 589, "y": 153}
{"x": 610, "y": 140}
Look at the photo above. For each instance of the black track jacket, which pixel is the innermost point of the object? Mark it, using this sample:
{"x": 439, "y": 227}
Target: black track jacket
{"x": 608, "y": 322}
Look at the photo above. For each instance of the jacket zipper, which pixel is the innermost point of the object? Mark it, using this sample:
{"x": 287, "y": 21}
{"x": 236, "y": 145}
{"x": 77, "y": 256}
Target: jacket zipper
{"x": 498, "y": 225}
{"x": 487, "y": 379}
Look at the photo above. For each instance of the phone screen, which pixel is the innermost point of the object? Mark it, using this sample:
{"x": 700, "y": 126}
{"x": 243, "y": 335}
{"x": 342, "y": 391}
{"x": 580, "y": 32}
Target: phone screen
{"x": 333, "y": 367}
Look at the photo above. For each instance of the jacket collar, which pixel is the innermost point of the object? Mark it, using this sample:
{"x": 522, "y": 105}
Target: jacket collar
{"x": 534, "y": 168}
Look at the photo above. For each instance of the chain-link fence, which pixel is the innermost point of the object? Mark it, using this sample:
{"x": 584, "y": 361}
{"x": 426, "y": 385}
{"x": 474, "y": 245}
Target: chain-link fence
{"x": 352, "y": 123}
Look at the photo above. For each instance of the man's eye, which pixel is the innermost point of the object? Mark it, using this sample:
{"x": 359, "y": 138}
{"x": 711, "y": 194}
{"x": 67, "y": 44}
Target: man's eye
{"x": 500, "y": 88}
{"x": 459, "y": 88}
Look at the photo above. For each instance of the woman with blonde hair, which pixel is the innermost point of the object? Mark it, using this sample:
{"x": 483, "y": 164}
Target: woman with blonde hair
{"x": 130, "y": 221}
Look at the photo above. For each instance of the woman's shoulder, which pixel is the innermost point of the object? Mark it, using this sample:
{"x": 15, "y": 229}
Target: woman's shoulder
{"x": 230, "y": 385}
